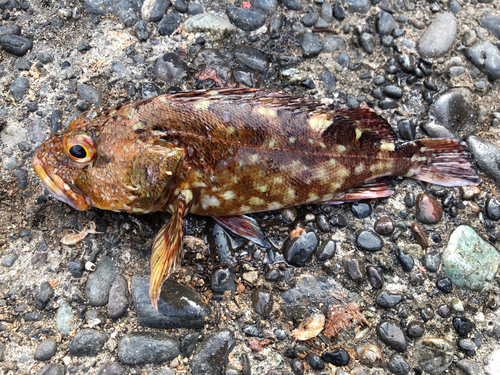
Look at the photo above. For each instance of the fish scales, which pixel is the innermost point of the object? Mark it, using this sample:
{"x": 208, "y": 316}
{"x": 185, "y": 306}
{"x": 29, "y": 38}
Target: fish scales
{"x": 225, "y": 153}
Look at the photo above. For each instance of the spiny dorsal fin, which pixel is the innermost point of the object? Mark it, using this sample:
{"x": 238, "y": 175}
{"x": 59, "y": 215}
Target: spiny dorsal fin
{"x": 367, "y": 120}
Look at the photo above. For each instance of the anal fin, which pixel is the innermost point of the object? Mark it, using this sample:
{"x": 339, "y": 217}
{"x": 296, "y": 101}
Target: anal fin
{"x": 243, "y": 226}
{"x": 167, "y": 251}
{"x": 378, "y": 188}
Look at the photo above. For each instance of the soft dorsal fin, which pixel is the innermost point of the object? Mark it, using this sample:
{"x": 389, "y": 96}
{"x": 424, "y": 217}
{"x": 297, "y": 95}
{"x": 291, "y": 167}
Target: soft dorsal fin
{"x": 367, "y": 120}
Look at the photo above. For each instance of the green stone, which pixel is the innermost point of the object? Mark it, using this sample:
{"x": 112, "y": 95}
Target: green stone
{"x": 64, "y": 319}
{"x": 469, "y": 261}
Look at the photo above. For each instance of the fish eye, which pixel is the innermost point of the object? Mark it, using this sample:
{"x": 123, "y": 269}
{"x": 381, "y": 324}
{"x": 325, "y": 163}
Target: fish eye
{"x": 78, "y": 152}
{"x": 80, "y": 149}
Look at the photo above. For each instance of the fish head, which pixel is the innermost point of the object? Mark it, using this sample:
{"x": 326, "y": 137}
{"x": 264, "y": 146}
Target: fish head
{"x": 97, "y": 164}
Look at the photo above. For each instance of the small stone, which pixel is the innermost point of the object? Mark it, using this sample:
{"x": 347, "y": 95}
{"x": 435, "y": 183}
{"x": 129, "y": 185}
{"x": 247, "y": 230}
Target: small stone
{"x": 406, "y": 261}
{"x": 334, "y": 44}
{"x": 490, "y": 22}
{"x": 434, "y": 355}
{"x": 432, "y": 261}
{"x": 194, "y": 8}
{"x": 326, "y": 251}
{"x": 463, "y": 326}
{"x": 361, "y": 210}
{"x": 207, "y": 22}
{"x": 384, "y": 226}
{"x": 170, "y": 68}
{"x": 392, "y": 335}
{"x": 452, "y": 108}
{"x": 429, "y": 210}
{"x": 469, "y": 367}
{"x": 292, "y": 4}
{"x": 439, "y": 36}
{"x": 374, "y": 277}
{"x": 311, "y": 46}
{"x": 141, "y": 31}
{"x": 337, "y": 358}
{"x": 407, "y": 130}
{"x": 15, "y": 44}
{"x": 75, "y": 268}
{"x": 444, "y": 285}
{"x": 251, "y": 58}
{"x": 492, "y": 209}
{"x": 469, "y": 261}
{"x": 262, "y": 302}
{"x": 419, "y": 234}
{"x": 397, "y": 365}
{"x": 118, "y": 297}
{"x": 267, "y": 6}
{"x": 338, "y": 11}
{"x": 385, "y": 299}
{"x": 484, "y": 56}
{"x": 43, "y": 295}
{"x": 9, "y": 259}
{"x": 299, "y": 250}
{"x": 45, "y": 350}
{"x": 112, "y": 368}
{"x": 88, "y": 342}
{"x": 10, "y": 29}
{"x": 415, "y": 329}
{"x": 99, "y": 282}
{"x": 386, "y": 23}
{"x": 139, "y": 348}
{"x": 153, "y": 10}
{"x": 457, "y": 305}
{"x": 357, "y": 6}
{"x": 367, "y": 42}
{"x": 222, "y": 280}
{"x": 211, "y": 355}
{"x": 245, "y": 19}
{"x": 52, "y": 369}
{"x": 88, "y": 93}
{"x": 188, "y": 344}
{"x": 326, "y": 12}
{"x": 368, "y": 240}
{"x": 354, "y": 269}
{"x": 19, "y": 87}
{"x": 466, "y": 344}
{"x": 169, "y": 23}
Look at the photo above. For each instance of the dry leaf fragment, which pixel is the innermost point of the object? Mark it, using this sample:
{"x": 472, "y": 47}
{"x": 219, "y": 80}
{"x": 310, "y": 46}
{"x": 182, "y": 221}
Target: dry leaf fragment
{"x": 309, "y": 327}
{"x": 297, "y": 232}
{"x": 342, "y": 316}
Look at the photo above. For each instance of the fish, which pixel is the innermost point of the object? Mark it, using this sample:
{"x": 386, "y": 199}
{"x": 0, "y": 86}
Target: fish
{"x": 226, "y": 153}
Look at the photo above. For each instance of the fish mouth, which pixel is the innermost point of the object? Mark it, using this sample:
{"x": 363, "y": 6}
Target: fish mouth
{"x": 59, "y": 189}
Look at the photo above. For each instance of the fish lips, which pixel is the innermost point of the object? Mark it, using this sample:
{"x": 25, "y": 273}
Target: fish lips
{"x": 59, "y": 189}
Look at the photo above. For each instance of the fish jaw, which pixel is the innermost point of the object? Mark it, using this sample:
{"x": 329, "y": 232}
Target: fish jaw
{"x": 58, "y": 188}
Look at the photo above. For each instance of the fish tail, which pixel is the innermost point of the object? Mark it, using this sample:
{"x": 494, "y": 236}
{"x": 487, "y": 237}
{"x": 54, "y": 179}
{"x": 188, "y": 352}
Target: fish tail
{"x": 441, "y": 161}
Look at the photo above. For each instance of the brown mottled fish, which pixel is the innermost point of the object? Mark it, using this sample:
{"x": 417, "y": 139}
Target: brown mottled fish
{"x": 229, "y": 152}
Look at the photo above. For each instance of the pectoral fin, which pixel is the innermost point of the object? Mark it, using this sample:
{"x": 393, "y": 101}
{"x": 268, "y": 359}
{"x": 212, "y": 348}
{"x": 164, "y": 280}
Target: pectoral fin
{"x": 167, "y": 248}
{"x": 244, "y": 226}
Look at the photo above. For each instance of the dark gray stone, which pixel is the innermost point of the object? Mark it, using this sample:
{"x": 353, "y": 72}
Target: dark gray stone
{"x": 311, "y": 46}
{"x": 385, "y": 299}
{"x": 88, "y": 343}
{"x": 434, "y": 355}
{"x": 43, "y": 295}
{"x": 178, "y": 306}
{"x": 88, "y": 93}
{"x": 46, "y": 350}
{"x": 170, "y": 68}
{"x": 397, "y": 365}
{"x": 390, "y": 333}
{"x": 299, "y": 250}
{"x": 490, "y": 22}
{"x": 333, "y": 44}
{"x": 469, "y": 367}
{"x": 118, "y": 297}
{"x": 386, "y": 23}
{"x": 267, "y": 6}
{"x": 486, "y": 57}
{"x": 439, "y": 36}
{"x": 153, "y": 10}
{"x": 141, "y": 31}
{"x": 9, "y": 259}
{"x": 139, "y": 348}
{"x": 246, "y": 19}
{"x": 52, "y": 369}
{"x": 19, "y": 87}
{"x": 169, "y": 23}
{"x": 210, "y": 356}
{"x": 452, "y": 108}
{"x": 10, "y": 29}
{"x": 292, "y": 4}
{"x": 15, "y": 44}
{"x": 99, "y": 282}
{"x": 357, "y": 6}
{"x": 251, "y": 58}
{"x": 112, "y": 368}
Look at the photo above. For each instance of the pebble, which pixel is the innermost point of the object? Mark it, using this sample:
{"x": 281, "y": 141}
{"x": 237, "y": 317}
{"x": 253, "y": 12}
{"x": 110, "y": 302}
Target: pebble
{"x": 311, "y": 46}
{"x": 251, "y": 58}
{"x": 326, "y": 251}
{"x": 139, "y": 348}
{"x": 444, "y": 285}
{"x": 168, "y": 24}
{"x": 45, "y": 350}
{"x": 141, "y": 31}
{"x": 452, "y": 108}
{"x": 485, "y": 56}
{"x": 374, "y": 277}
{"x": 112, "y": 368}
{"x": 15, "y": 44}
{"x": 393, "y": 91}
{"x": 385, "y": 299}
{"x": 367, "y": 42}
{"x": 178, "y": 306}
{"x": 245, "y": 19}
{"x": 9, "y": 259}
{"x": 326, "y": 13}
{"x": 211, "y": 355}
{"x": 194, "y": 8}
{"x": 415, "y": 329}
{"x": 337, "y": 358}
{"x": 357, "y": 6}
{"x": 397, "y": 365}
{"x": 469, "y": 367}
{"x": 432, "y": 261}
{"x": 64, "y": 319}
{"x": 429, "y": 210}
{"x": 467, "y": 345}
{"x": 118, "y": 297}
{"x": 434, "y": 130}
{"x": 75, "y": 268}
{"x": 262, "y": 302}
{"x": 43, "y": 295}
{"x": 338, "y": 11}
{"x": 384, "y": 226}
{"x": 188, "y": 343}
{"x": 88, "y": 93}
{"x": 463, "y": 326}
{"x": 444, "y": 311}
{"x": 354, "y": 268}
{"x": 469, "y": 261}
{"x": 222, "y": 280}
{"x": 390, "y": 333}
{"x": 170, "y": 68}
{"x": 419, "y": 234}
{"x": 299, "y": 250}
{"x": 361, "y": 210}
{"x": 292, "y": 4}
{"x": 490, "y": 22}
{"x": 88, "y": 342}
{"x": 492, "y": 209}
{"x": 208, "y": 22}
{"x": 10, "y": 29}
{"x": 309, "y": 19}
{"x": 267, "y": 6}
{"x": 487, "y": 156}
{"x": 153, "y": 10}
{"x": 386, "y": 23}
{"x": 334, "y": 44}
{"x": 19, "y": 87}
{"x": 439, "y": 37}
{"x": 406, "y": 261}
{"x": 323, "y": 224}
{"x": 52, "y": 369}
{"x": 456, "y": 305}
{"x": 368, "y": 240}
{"x": 297, "y": 367}
{"x": 99, "y": 282}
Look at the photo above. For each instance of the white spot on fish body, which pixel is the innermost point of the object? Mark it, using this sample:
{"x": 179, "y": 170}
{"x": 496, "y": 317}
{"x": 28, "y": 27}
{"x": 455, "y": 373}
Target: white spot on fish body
{"x": 209, "y": 201}
{"x": 312, "y": 198}
{"x": 245, "y": 208}
{"x": 274, "y": 206}
{"x": 256, "y": 201}
{"x": 341, "y": 148}
{"x": 360, "y": 168}
{"x": 228, "y": 195}
{"x": 266, "y": 111}
{"x": 319, "y": 122}
{"x": 389, "y": 146}
{"x": 292, "y": 139}
{"x": 202, "y": 105}
{"x": 359, "y": 132}
{"x": 254, "y": 158}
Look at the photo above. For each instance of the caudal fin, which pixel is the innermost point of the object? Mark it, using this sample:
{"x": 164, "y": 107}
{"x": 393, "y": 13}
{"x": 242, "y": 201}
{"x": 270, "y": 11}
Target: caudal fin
{"x": 445, "y": 162}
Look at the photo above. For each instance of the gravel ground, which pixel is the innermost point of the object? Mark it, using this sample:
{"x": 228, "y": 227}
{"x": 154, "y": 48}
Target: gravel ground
{"x": 407, "y": 284}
